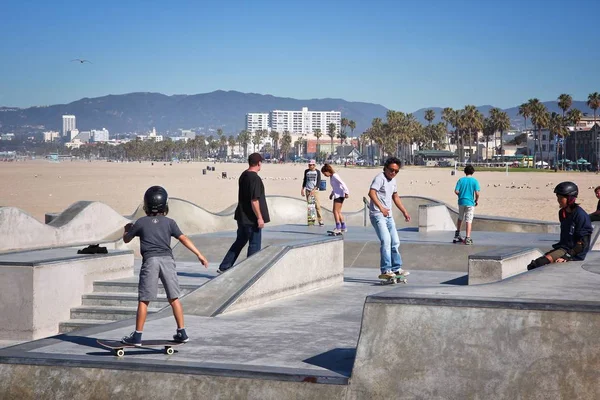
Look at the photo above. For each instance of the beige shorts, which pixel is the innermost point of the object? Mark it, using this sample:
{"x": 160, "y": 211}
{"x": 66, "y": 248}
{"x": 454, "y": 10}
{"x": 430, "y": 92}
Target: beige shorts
{"x": 465, "y": 213}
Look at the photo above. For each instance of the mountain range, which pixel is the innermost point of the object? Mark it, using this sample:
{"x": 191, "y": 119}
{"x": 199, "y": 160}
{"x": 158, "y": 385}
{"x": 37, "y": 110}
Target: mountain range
{"x": 140, "y": 112}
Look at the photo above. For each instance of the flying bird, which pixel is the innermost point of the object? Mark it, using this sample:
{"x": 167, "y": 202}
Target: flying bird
{"x": 82, "y": 61}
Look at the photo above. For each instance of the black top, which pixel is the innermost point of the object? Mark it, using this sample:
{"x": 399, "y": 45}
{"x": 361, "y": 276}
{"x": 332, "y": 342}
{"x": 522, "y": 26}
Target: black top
{"x": 251, "y": 188}
{"x": 155, "y": 234}
{"x": 312, "y": 179}
{"x": 598, "y": 206}
{"x": 574, "y": 226}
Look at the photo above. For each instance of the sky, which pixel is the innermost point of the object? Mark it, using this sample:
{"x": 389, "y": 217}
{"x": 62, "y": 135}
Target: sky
{"x": 405, "y": 55}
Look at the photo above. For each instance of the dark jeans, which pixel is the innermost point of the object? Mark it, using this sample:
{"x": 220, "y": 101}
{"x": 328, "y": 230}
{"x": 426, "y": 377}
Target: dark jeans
{"x": 245, "y": 234}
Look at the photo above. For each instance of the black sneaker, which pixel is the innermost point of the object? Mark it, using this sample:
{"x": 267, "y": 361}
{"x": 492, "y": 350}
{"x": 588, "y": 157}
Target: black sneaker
{"x": 181, "y": 336}
{"x": 134, "y": 338}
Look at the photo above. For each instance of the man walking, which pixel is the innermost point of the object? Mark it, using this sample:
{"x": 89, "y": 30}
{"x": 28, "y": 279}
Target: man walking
{"x": 310, "y": 187}
{"x": 251, "y": 213}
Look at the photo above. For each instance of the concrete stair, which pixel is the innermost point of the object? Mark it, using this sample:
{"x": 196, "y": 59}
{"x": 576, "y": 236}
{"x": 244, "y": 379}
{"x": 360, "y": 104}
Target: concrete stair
{"x": 113, "y": 301}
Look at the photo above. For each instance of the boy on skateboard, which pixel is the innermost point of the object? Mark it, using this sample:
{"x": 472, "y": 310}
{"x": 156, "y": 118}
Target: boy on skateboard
{"x": 155, "y": 231}
{"x": 310, "y": 187}
{"x": 467, "y": 189}
{"x": 383, "y": 194}
{"x": 575, "y": 229}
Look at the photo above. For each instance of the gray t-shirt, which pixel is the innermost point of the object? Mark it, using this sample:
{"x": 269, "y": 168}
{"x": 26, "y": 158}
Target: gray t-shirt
{"x": 155, "y": 234}
{"x": 385, "y": 190}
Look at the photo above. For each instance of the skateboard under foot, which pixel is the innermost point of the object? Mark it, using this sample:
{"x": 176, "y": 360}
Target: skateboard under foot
{"x": 387, "y": 280}
{"x": 332, "y": 233}
{"x": 118, "y": 347}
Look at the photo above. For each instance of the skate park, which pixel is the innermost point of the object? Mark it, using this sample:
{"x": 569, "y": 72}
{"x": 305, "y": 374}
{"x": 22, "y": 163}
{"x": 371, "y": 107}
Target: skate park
{"x": 304, "y": 318}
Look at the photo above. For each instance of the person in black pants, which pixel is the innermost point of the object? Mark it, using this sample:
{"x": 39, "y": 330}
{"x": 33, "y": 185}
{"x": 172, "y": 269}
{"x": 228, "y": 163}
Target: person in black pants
{"x": 595, "y": 216}
{"x": 251, "y": 213}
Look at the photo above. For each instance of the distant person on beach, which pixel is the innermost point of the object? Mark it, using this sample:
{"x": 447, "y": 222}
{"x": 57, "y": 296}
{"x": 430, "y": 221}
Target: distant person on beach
{"x": 310, "y": 187}
{"x": 595, "y": 216}
{"x": 155, "y": 231}
{"x": 384, "y": 194}
{"x": 467, "y": 189}
{"x": 575, "y": 229}
{"x": 339, "y": 193}
{"x": 251, "y": 213}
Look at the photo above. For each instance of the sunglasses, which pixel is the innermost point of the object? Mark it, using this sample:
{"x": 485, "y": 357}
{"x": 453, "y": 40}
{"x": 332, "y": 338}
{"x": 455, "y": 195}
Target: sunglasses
{"x": 393, "y": 171}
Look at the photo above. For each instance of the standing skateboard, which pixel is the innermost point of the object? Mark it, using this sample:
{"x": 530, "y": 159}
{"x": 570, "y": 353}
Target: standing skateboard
{"x": 332, "y": 233}
{"x": 386, "y": 280}
{"x": 119, "y": 347}
{"x": 458, "y": 240}
{"x": 311, "y": 212}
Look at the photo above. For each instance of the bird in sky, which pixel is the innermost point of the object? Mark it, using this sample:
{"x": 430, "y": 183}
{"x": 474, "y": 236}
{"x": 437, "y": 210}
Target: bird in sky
{"x": 82, "y": 61}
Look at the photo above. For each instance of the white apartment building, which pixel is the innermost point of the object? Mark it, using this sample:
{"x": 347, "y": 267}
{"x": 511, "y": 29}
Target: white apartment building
{"x": 68, "y": 124}
{"x": 304, "y": 122}
{"x": 257, "y": 121}
{"x": 51, "y": 136}
{"x": 99, "y": 136}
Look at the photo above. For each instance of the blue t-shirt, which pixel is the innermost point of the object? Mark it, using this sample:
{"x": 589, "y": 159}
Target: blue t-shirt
{"x": 466, "y": 187}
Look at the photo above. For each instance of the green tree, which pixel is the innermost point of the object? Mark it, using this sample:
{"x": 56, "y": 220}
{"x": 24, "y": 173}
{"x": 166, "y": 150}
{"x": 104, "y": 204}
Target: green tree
{"x": 574, "y": 115}
{"x": 539, "y": 119}
{"x": 489, "y": 130}
{"x": 331, "y": 128}
{"x": 525, "y": 112}
{"x": 274, "y": 135}
{"x": 501, "y": 123}
{"x": 318, "y": 134}
{"x": 285, "y": 144}
{"x": 244, "y": 138}
{"x": 223, "y": 144}
{"x": 565, "y": 102}
{"x": 256, "y": 139}
{"x": 447, "y": 118}
{"x": 231, "y": 141}
{"x": 473, "y": 122}
{"x": 352, "y": 126}
{"x": 556, "y": 126}
{"x": 429, "y": 117}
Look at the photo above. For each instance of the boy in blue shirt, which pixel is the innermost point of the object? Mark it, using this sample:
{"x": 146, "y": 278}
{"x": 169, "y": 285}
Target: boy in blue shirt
{"x": 467, "y": 189}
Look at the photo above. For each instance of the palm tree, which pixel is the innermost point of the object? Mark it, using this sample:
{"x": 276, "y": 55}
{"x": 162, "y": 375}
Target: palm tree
{"x": 501, "y": 122}
{"x": 564, "y": 103}
{"x": 429, "y": 117}
{"x": 540, "y": 119}
{"x": 223, "y": 143}
{"x": 489, "y": 130}
{"x": 525, "y": 112}
{"x": 232, "y": 142}
{"x": 256, "y": 139}
{"x": 447, "y": 117}
{"x": 556, "y": 126}
{"x": 574, "y": 116}
{"x": 331, "y": 128}
{"x": 220, "y": 136}
{"x": 473, "y": 120}
{"x": 244, "y": 140}
{"x": 343, "y": 124}
{"x": 352, "y": 126}
{"x": 274, "y": 135}
{"x": 318, "y": 134}
{"x": 286, "y": 143}
{"x": 593, "y": 102}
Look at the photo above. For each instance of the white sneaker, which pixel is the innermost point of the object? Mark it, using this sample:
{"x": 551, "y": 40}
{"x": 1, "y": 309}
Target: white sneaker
{"x": 402, "y": 272}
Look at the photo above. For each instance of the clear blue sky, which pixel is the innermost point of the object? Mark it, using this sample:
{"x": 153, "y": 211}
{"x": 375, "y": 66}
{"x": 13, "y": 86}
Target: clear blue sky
{"x": 404, "y": 55}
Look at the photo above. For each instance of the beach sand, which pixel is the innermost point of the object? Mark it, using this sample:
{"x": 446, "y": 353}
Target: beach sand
{"x": 39, "y": 187}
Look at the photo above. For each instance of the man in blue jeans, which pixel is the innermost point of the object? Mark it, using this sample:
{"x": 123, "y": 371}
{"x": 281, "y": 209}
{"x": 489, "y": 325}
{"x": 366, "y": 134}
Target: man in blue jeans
{"x": 251, "y": 213}
{"x": 383, "y": 193}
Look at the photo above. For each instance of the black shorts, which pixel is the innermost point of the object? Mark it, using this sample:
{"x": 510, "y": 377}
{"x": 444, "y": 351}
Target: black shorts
{"x": 339, "y": 200}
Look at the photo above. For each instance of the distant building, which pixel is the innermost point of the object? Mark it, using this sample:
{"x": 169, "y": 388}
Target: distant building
{"x": 257, "y": 121}
{"x": 83, "y": 137}
{"x": 68, "y": 124}
{"x": 152, "y": 136}
{"x": 51, "y": 136}
{"x": 7, "y": 137}
{"x": 304, "y": 121}
{"x": 99, "y": 136}
{"x": 72, "y": 134}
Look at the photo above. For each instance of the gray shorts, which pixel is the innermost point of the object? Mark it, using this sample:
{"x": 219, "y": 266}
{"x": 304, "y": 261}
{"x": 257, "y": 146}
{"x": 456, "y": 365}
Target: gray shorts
{"x": 465, "y": 213}
{"x": 155, "y": 268}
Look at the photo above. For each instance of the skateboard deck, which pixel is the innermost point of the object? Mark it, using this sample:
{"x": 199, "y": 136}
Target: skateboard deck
{"x": 462, "y": 241}
{"x": 332, "y": 233}
{"x": 311, "y": 211}
{"x": 385, "y": 280}
{"x": 119, "y": 347}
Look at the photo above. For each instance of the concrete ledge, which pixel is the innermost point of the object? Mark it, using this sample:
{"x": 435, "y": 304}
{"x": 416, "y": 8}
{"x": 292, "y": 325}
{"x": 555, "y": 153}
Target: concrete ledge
{"x": 435, "y": 217}
{"x": 38, "y": 288}
{"x": 498, "y": 264}
{"x": 271, "y": 274}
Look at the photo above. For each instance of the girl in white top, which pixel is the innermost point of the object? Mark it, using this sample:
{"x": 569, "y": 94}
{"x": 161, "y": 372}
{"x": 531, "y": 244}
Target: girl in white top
{"x": 339, "y": 192}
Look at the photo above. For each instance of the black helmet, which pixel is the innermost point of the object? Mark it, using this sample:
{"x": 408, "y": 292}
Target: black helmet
{"x": 567, "y": 189}
{"x": 155, "y": 200}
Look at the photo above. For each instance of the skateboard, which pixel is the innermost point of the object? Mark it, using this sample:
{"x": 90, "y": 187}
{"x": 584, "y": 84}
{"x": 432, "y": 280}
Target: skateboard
{"x": 461, "y": 240}
{"x": 385, "y": 280}
{"x": 119, "y": 347}
{"x": 332, "y": 233}
{"x": 311, "y": 212}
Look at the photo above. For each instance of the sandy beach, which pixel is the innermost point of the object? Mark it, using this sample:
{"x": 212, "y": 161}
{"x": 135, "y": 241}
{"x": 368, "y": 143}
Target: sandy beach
{"x": 38, "y": 186}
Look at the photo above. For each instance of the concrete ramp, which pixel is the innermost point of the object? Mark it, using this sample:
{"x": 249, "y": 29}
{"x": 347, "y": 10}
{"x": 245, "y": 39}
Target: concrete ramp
{"x": 273, "y": 273}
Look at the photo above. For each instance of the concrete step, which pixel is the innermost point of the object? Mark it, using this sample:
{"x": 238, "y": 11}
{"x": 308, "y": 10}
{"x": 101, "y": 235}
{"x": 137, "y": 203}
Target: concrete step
{"x": 106, "y": 313}
{"x": 76, "y": 324}
{"x": 132, "y": 287}
{"x": 119, "y": 299}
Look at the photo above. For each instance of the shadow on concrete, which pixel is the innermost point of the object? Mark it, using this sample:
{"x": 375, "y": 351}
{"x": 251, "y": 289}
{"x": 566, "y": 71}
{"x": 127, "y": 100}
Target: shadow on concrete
{"x": 340, "y": 360}
{"x": 195, "y": 275}
{"x": 80, "y": 340}
{"x": 461, "y": 280}
{"x": 358, "y": 280}
{"x": 409, "y": 229}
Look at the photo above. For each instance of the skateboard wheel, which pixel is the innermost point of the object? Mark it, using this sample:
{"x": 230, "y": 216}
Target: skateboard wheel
{"x": 120, "y": 352}
{"x": 169, "y": 350}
